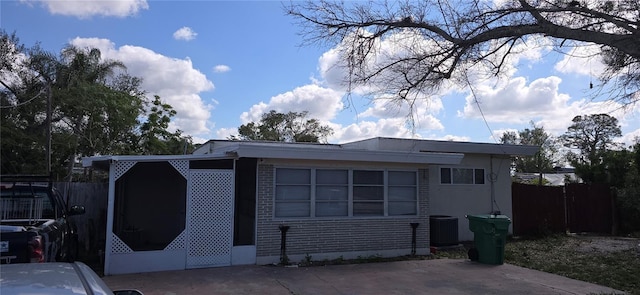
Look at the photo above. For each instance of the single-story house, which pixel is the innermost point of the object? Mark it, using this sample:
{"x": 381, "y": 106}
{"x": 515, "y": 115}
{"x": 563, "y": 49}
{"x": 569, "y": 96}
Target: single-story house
{"x": 229, "y": 202}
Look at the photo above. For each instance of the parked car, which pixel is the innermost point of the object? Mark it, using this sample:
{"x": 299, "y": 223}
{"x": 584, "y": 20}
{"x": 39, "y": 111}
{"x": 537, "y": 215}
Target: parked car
{"x": 54, "y": 278}
{"x": 35, "y": 222}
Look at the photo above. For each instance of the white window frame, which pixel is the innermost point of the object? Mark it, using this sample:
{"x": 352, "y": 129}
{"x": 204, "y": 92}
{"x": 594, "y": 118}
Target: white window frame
{"x": 350, "y": 201}
{"x": 451, "y": 174}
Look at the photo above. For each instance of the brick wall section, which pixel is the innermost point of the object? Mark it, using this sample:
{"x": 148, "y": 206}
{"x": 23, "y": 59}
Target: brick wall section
{"x": 336, "y": 235}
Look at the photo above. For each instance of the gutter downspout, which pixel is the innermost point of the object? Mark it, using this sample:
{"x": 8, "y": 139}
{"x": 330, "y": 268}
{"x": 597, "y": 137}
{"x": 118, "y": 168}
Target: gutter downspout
{"x": 492, "y": 180}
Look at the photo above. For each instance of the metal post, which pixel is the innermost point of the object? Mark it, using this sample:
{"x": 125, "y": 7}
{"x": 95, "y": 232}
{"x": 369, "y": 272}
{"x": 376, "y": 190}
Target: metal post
{"x": 414, "y": 226}
{"x": 48, "y": 122}
{"x": 284, "y": 260}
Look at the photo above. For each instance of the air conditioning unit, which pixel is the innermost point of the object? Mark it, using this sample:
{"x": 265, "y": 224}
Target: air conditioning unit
{"x": 443, "y": 230}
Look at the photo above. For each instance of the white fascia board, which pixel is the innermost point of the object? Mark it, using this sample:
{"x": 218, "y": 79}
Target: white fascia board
{"x": 90, "y": 161}
{"x": 250, "y": 151}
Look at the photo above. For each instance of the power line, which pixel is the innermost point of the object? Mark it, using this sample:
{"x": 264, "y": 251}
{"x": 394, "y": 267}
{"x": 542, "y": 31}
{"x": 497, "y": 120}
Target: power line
{"x": 475, "y": 99}
{"x": 23, "y": 103}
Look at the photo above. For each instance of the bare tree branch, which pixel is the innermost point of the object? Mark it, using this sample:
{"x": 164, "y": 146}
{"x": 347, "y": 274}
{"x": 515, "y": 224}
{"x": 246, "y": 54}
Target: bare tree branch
{"x": 457, "y": 35}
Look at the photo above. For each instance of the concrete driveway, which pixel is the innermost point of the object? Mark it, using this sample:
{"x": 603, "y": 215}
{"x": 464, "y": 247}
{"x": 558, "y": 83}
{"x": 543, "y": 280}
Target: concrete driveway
{"x": 439, "y": 276}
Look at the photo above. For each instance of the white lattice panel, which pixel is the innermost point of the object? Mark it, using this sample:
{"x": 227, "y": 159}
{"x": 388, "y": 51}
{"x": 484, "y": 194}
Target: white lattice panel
{"x": 118, "y": 246}
{"x": 210, "y": 220}
{"x": 178, "y": 243}
{"x": 181, "y": 166}
{"x": 122, "y": 167}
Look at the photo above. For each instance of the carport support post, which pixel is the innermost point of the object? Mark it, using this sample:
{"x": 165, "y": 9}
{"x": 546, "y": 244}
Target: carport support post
{"x": 284, "y": 260}
{"x": 414, "y": 226}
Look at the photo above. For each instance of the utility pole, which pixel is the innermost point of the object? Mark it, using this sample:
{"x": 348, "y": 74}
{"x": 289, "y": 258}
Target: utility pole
{"x": 49, "y": 114}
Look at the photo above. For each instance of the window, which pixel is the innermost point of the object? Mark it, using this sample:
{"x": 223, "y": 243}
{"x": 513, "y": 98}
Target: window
{"x": 26, "y": 202}
{"x": 368, "y": 193}
{"x": 293, "y": 193}
{"x": 461, "y": 176}
{"x": 332, "y": 193}
{"x": 403, "y": 193}
{"x": 343, "y": 193}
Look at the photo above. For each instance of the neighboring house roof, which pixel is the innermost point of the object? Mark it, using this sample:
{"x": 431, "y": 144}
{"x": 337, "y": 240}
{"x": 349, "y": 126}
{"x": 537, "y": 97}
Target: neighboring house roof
{"x": 380, "y": 150}
{"x": 384, "y": 143}
{"x": 553, "y": 179}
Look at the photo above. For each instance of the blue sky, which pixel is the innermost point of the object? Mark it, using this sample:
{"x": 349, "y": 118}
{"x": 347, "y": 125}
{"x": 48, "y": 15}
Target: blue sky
{"x": 222, "y": 64}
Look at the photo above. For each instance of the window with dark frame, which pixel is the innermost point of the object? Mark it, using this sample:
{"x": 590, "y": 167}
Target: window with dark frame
{"x": 368, "y": 193}
{"x": 461, "y": 176}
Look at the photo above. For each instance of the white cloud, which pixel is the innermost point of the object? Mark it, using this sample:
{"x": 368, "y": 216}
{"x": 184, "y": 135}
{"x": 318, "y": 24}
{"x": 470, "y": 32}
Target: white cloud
{"x": 333, "y": 74}
{"x": 421, "y": 115}
{"x": 516, "y": 102}
{"x": 390, "y": 80}
{"x": 324, "y": 104}
{"x": 184, "y": 33}
{"x": 453, "y": 138}
{"x": 584, "y": 60}
{"x": 174, "y": 80}
{"x": 631, "y": 138}
{"x": 221, "y": 68}
{"x": 86, "y": 9}
{"x": 321, "y": 103}
{"x": 225, "y": 133}
{"x": 425, "y": 107}
{"x": 541, "y": 101}
{"x": 394, "y": 127}
{"x": 505, "y": 99}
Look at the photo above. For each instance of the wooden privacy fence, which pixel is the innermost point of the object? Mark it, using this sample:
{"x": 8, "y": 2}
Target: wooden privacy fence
{"x": 92, "y": 224}
{"x": 537, "y": 209}
{"x": 576, "y": 207}
{"x": 590, "y": 208}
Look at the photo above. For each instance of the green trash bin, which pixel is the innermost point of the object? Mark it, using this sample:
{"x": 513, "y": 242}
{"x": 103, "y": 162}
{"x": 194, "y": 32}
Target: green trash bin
{"x": 489, "y": 237}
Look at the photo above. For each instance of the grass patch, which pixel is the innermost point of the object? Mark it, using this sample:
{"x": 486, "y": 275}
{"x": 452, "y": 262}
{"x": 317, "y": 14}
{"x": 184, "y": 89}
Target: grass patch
{"x": 578, "y": 258}
{"x": 589, "y": 259}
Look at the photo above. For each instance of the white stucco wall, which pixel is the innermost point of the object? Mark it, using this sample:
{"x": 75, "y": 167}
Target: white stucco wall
{"x": 460, "y": 200}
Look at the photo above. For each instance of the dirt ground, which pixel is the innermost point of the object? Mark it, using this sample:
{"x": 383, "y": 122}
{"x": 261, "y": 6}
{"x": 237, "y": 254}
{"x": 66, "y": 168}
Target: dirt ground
{"x": 606, "y": 244}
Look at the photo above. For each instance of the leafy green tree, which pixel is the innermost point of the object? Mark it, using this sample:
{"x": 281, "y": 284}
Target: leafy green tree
{"x": 23, "y": 97}
{"x": 544, "y": 160}
{"x": 628, "y": 194}
{"x": 88, "y": 106}
{"x": 95, "y": 110}
{"x": 436, "y": 42}
{"x": 593, "y": 136}
{"x": 289, "y": 127}
{"x": 155, "y": 139}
